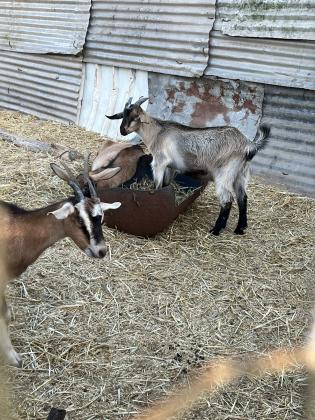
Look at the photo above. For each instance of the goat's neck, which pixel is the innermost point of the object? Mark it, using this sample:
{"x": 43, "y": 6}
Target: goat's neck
{"x": 149, "y": 130}
{"x": 28, "y": 235}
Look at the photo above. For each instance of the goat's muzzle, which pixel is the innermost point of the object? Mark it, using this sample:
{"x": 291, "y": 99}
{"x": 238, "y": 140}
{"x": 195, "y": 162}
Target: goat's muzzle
{"x": 97, "y": 251}
{"x": 123, "y": 131}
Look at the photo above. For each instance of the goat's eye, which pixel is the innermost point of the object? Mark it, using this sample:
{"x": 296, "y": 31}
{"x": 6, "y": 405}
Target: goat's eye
{"x": 81, "y": 221}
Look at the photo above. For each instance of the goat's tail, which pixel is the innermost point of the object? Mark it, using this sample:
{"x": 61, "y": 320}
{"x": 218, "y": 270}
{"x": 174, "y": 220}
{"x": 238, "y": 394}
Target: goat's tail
{"x": 259, "y": 142}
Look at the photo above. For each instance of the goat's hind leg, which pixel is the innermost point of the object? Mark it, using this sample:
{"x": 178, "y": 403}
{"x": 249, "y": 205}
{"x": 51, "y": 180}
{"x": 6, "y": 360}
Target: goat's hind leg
{"x": 241, "y": 197}
{"x": 221, "y": 221}
{"x": 11, "y": 356}
{"x": 225, "y": 196}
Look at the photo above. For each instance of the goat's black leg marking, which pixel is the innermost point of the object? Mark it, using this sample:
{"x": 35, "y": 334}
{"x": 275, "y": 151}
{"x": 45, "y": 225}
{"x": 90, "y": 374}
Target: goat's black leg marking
{"x": 242, "y": 219}
{"x": 222, "y": 219}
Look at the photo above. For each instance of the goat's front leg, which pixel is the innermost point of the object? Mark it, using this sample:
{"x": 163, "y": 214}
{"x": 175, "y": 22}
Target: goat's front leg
{"x": 169, "y": 175}
{"x": 158, "y": 169}
{"x": 10, "y": 355}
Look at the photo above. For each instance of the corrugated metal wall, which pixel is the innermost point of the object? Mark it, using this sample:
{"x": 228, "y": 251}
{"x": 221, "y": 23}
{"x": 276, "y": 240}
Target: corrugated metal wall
{"x": 206, "y": 102}
{"x": 106, "y": 90}
{"x": 57, "y": 26}
{"x": 290, "y": 154}
{"x": 285, "y": 19}
{"x": 278, "y": 62}
{"x": 168, "y": 36}
{"x": 132, "y": 48}
{"x": 47, "y": 86}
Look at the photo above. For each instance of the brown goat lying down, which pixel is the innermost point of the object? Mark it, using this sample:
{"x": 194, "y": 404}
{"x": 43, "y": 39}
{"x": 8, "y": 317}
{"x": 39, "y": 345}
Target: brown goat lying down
{"x": 115, "y": 164}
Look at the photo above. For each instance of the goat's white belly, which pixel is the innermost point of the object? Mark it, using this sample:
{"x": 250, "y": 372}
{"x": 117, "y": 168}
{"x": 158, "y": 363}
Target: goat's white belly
{"x": 174, "y": 157}
{"x": 178, "y": 165}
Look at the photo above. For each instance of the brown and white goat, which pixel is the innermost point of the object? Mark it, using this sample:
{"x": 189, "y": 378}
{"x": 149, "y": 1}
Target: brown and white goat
{"x": 26, "y": 234}
{"x": 222, "y": 154}
{"x": 115, "y": 164}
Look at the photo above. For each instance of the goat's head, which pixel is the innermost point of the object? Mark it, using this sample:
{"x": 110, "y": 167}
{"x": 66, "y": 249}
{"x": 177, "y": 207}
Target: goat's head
{"x": 83, "y": 215}
{"x": 131, "y": 116}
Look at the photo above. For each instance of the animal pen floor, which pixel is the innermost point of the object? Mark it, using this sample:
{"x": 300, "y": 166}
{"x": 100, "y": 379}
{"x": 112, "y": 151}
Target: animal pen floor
{"x": 103, "y": 339}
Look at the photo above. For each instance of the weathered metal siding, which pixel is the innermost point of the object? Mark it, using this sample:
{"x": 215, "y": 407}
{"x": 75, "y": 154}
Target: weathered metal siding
{"x": 290, "y": 154}
{"x": 57, "y": 26}
{"x": 206, "y": 102}
{"x": 105, "y": 92}
{"x": 286, "y": 19}
{"x": 167, "y": 36}
{"x": 47, "y": 86}
{"x": 277, "y": 62}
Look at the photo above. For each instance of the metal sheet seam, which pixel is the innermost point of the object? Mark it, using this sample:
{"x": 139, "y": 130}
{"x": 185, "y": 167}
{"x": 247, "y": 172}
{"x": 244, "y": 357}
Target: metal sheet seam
{"x": 209, "y": 37}
{"x": 81, "y": 92}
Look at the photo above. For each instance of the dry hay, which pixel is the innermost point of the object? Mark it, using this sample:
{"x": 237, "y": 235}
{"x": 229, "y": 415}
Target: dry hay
{"x": 103, "y": 339}
{"x": 219, "y": 373}
{"x": 147, "y": 184}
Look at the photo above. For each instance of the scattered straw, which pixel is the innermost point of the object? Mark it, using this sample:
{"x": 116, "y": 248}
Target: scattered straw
{"x": 219, "y": 373}
{"x": 105, "y": 339}
{"x": 147, "y": 184}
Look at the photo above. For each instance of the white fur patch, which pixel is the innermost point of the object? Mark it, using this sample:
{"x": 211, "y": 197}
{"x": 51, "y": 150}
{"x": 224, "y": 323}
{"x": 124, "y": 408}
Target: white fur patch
{"x": 97, "y": 210}
{"x": 84, "y": 216}
{"x": 110, "y": 206}
{"x": 63, "y": 212}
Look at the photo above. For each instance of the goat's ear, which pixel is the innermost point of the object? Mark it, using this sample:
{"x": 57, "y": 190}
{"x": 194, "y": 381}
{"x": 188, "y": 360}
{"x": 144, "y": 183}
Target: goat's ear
{"x": 63, "y": 212}
{"x": 118, "y": 116}
{"x": 110, "y": 206}
{"x": 61, "y": 173}
{"x": 107, "y": 173}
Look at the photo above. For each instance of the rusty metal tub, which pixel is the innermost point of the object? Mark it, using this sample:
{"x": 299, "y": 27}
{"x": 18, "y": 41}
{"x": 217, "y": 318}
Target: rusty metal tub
{"x": 146, "y": 213}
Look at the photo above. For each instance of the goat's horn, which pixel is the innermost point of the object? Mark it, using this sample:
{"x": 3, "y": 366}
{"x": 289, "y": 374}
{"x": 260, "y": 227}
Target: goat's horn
{"x": 77, "y": 190}
{"x": 141, "y": 100}
{"x": 128, "y": 103}
{"x": 73, "y": 182}
{"x": 86, "y": 175}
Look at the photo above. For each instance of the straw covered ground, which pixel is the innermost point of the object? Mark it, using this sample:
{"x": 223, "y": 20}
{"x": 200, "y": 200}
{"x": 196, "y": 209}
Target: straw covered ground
{"x": 103, "y": 339}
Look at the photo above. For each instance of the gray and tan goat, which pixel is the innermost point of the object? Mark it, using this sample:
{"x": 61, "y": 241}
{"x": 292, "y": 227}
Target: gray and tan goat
{"x": 221, "y": 154}
{"x": 26, "y": 234}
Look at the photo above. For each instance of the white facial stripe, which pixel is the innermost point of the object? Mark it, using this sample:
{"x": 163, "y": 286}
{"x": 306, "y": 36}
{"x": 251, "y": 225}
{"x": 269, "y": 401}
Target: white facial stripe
{"x": 85, "y": 217}
{"x": 97, "y": 210}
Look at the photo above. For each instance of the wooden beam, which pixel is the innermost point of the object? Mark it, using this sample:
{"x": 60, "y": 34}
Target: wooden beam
{"x": 40, "y": 146}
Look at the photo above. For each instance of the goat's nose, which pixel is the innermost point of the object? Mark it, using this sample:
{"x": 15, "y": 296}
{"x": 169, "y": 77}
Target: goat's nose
{"x": 101, "y": 253}
{"x": 123, "y": 131}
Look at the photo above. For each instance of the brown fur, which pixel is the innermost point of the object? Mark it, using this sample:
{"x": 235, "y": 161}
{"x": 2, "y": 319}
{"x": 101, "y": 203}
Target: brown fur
{"x": 19, "y": 230}
{"x": 108, "y": 153}
{"x": 127, "y": 160}
{"x": 24, "y": 236}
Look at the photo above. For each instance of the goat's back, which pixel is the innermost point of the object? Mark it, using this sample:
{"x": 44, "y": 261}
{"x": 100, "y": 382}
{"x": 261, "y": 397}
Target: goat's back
{"x": 127, "y": 160}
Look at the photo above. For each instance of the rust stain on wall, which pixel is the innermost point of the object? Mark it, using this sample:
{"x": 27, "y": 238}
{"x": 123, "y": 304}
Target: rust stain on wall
{"x": 206, "y": 102}
{"x": 179, "y": 106}
{"x": 170, "y": 94}
{"x": 208, "y": 110}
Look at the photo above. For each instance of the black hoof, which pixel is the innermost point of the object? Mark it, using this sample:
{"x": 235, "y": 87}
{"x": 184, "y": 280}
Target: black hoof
{"x": 239, "y": 231}
{"x": 214, "y": 232}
